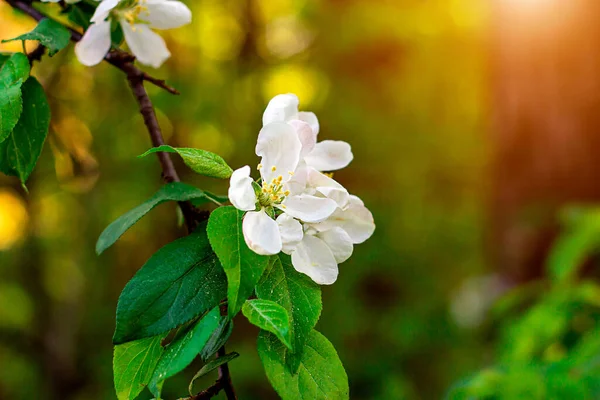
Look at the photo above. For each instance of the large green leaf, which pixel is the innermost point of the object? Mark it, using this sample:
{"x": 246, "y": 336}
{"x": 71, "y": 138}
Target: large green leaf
{"x": 321, "y": 374}
{"x": 200, "y": 161}
{"x": 185, "y": 347}
{"x": 179, "y": 282}
{"x": 242, "y": 266}
{"x": 299, "y": 295}
{"x": 218, "y": 338}
{"x": 174, "y": 191}
{"x": 211, "y": 366}
{"x": 271, "y": 317}
{"x": 49, "y": 33}
{"x": 20, "y": 151}
{"x": 133, "y": 365}
{"x": 14, "y": 71}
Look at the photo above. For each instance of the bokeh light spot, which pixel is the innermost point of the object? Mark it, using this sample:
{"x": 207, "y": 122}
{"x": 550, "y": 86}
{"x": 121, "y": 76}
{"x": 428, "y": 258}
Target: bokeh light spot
{"x": 13, "y": 219}
{"x": 305, "y": 82}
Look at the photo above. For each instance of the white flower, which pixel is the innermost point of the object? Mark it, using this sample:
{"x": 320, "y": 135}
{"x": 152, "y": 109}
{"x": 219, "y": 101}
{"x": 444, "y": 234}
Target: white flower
{"x": 279, "y": 148}
{"x": 137, "y": 19}
{"x": 328, "y": 155}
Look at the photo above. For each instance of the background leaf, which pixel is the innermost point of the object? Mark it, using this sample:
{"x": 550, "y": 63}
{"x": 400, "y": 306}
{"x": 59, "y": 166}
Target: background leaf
{"x": 20, "y": 151}
{"x": 211, "y": 366}
{"x": 185, "y": 347}
{"x": 269, "y": 316}
{"x": 133, "y": 365}
{"x": 242, "y": 266}
{"x": 15, "y": 71}
{"x": 299, "y": 295}
{"x": 200, "y": 161}
{"x": 179, "y": 282}
{"x": 218, "y": 338}
{"x": 321, "y": 375}
{"x": 174, "y": 191}
{"x": 49, "y": 33}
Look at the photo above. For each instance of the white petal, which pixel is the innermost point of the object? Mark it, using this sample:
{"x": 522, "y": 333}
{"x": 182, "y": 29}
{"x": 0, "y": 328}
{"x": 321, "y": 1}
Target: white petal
{"x": 311, "y": 119}
{"x": 291, "y": 232}
{"x": 281, "y": 108}
{"x": 103, "y": 9}
{"x": 308, "y": 208}
{"x": 356, "y": 201}
{"x": 328, "y": 187}
{"x": 298, "y": 181}
{"x": 148, "y": 47}
{"x": 339, "y": 242}
{"x": 356, "y": 220}
{"x": 94, "y": 44}
{"x": 261, "y": 233}
{"x": 306, "y": 136}
{"x": 330, "y": 155}
{"x": 241, "y": 193}
{"x": 313, "y": 258}
{"x": 279, "y": 147}
{"x": 166, "y": 14}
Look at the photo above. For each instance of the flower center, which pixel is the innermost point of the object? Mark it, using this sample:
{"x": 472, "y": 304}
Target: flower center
{"x": 130, "y": 11}
{"x": 272, "y": 193}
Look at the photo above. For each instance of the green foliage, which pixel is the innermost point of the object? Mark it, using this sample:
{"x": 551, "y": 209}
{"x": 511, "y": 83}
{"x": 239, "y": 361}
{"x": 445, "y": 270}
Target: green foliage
{"x": 133, "y": 365}
{"x": 320, "y": 376}
{"x": 174, "y": 191}
{"x": 211, "y": 366}
{"x": 15, "y": 71}
{"x": 242, "y": 266}
{"x": 218, "y": 338}
{"x": 271, "y": 317}
{"x": 179, "y": 282}
{"x": 185, "y": 347}
{"x": 49, "y": 33}
{"x": 21, "y": 150}
{"x": 298, "y": 295}
{"x": 81, "y": 14}
{"x": 200, "y": 161}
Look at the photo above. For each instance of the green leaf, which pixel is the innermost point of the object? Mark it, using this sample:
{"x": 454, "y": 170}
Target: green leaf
{"x": 15, "y": 71}
{"x": 299, "y": 295}
{"x": 20, "y": 151}
{"x": 200, "y": 161}
{"x": 218, "y": 338}
{"x": 49, "y": 33}
{"x": 242, "y": 266}
{"x": 210, "y": 198}
{"x": 580, "y": 240}
{"x": 321, "y": 374}
{"x": 211, "y": 366}
{"x": 81, "y": 14}
{"x": 179, "y": 282}
{"x": 185, "y": 347}
{"x": 174, "y": 191}
{"x": 271, "y": 317}
{"x": 133, "y": 364}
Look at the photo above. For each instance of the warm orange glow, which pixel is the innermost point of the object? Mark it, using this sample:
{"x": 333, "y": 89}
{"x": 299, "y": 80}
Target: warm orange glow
{"x": 13, "y": 219}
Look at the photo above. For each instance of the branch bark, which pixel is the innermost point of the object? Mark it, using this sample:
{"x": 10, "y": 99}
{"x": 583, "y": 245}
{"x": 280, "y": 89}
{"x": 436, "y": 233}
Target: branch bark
{"x": 136, "y": 77}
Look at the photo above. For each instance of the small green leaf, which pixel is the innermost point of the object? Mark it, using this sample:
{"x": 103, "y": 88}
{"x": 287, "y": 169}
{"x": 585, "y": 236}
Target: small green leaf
{"x": 133, "y": 364}
{"x": 15, "y": 71}
{"x": 200, "y": 161}
{"x": 81, "y": 14}
{"x": 49, "y": 33}
{"x": 299, "y": 295}
{"x": 271, "y": 317}
{"x": 210, "y": 198}
{"x": 242, "y": 266}
{"x": 179, "y": 282}
{"x": 185, "y": 347}
{"x": 174, "y": 191}
{"x": 321, "y": 376}
{"x": 218, "y": 338}
{"x": 20, "y": 151}
{"x": 211, "y": 366}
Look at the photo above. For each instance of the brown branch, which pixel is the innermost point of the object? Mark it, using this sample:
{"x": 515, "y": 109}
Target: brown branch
{"x": 36, "y": 54}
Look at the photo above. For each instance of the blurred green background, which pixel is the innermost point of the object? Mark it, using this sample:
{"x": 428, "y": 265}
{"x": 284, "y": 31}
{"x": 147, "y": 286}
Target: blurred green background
{"x": 426, "y": 91}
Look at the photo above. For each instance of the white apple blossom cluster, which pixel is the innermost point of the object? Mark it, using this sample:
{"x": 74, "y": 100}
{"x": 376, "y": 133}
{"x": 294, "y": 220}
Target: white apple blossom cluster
{"x": 137, "y": 19}
{"x": 294, "y": 207}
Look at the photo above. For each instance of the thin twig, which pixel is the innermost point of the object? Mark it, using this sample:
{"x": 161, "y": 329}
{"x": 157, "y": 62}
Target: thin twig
{"x": 225, "y": 377}
{"x": 36, "y": 54}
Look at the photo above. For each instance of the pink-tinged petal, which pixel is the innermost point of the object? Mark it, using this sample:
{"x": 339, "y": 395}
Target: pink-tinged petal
{"x": 279, "y": 147}
{"x": 308, "y": 208}
{"x": 281, "y": 108}
{"x": 311, "y": 119}
{"x": 330, "y": 155}
{"x": 94, "y": 45}
{"x": 339, "y": 242}
{"x": 291, "y": 232}
{"x": 241, "y": 193}
{"x": 313, "y": 258}
{"x": 306, "y": 136}
{"x": 147, "y": 46}
{"x": 261, "y": 233}
{"x": 165, "y": 14}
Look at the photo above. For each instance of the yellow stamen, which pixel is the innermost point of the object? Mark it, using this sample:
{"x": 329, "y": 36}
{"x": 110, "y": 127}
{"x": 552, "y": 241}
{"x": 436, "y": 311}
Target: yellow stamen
{"x": 273, "y": 168}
